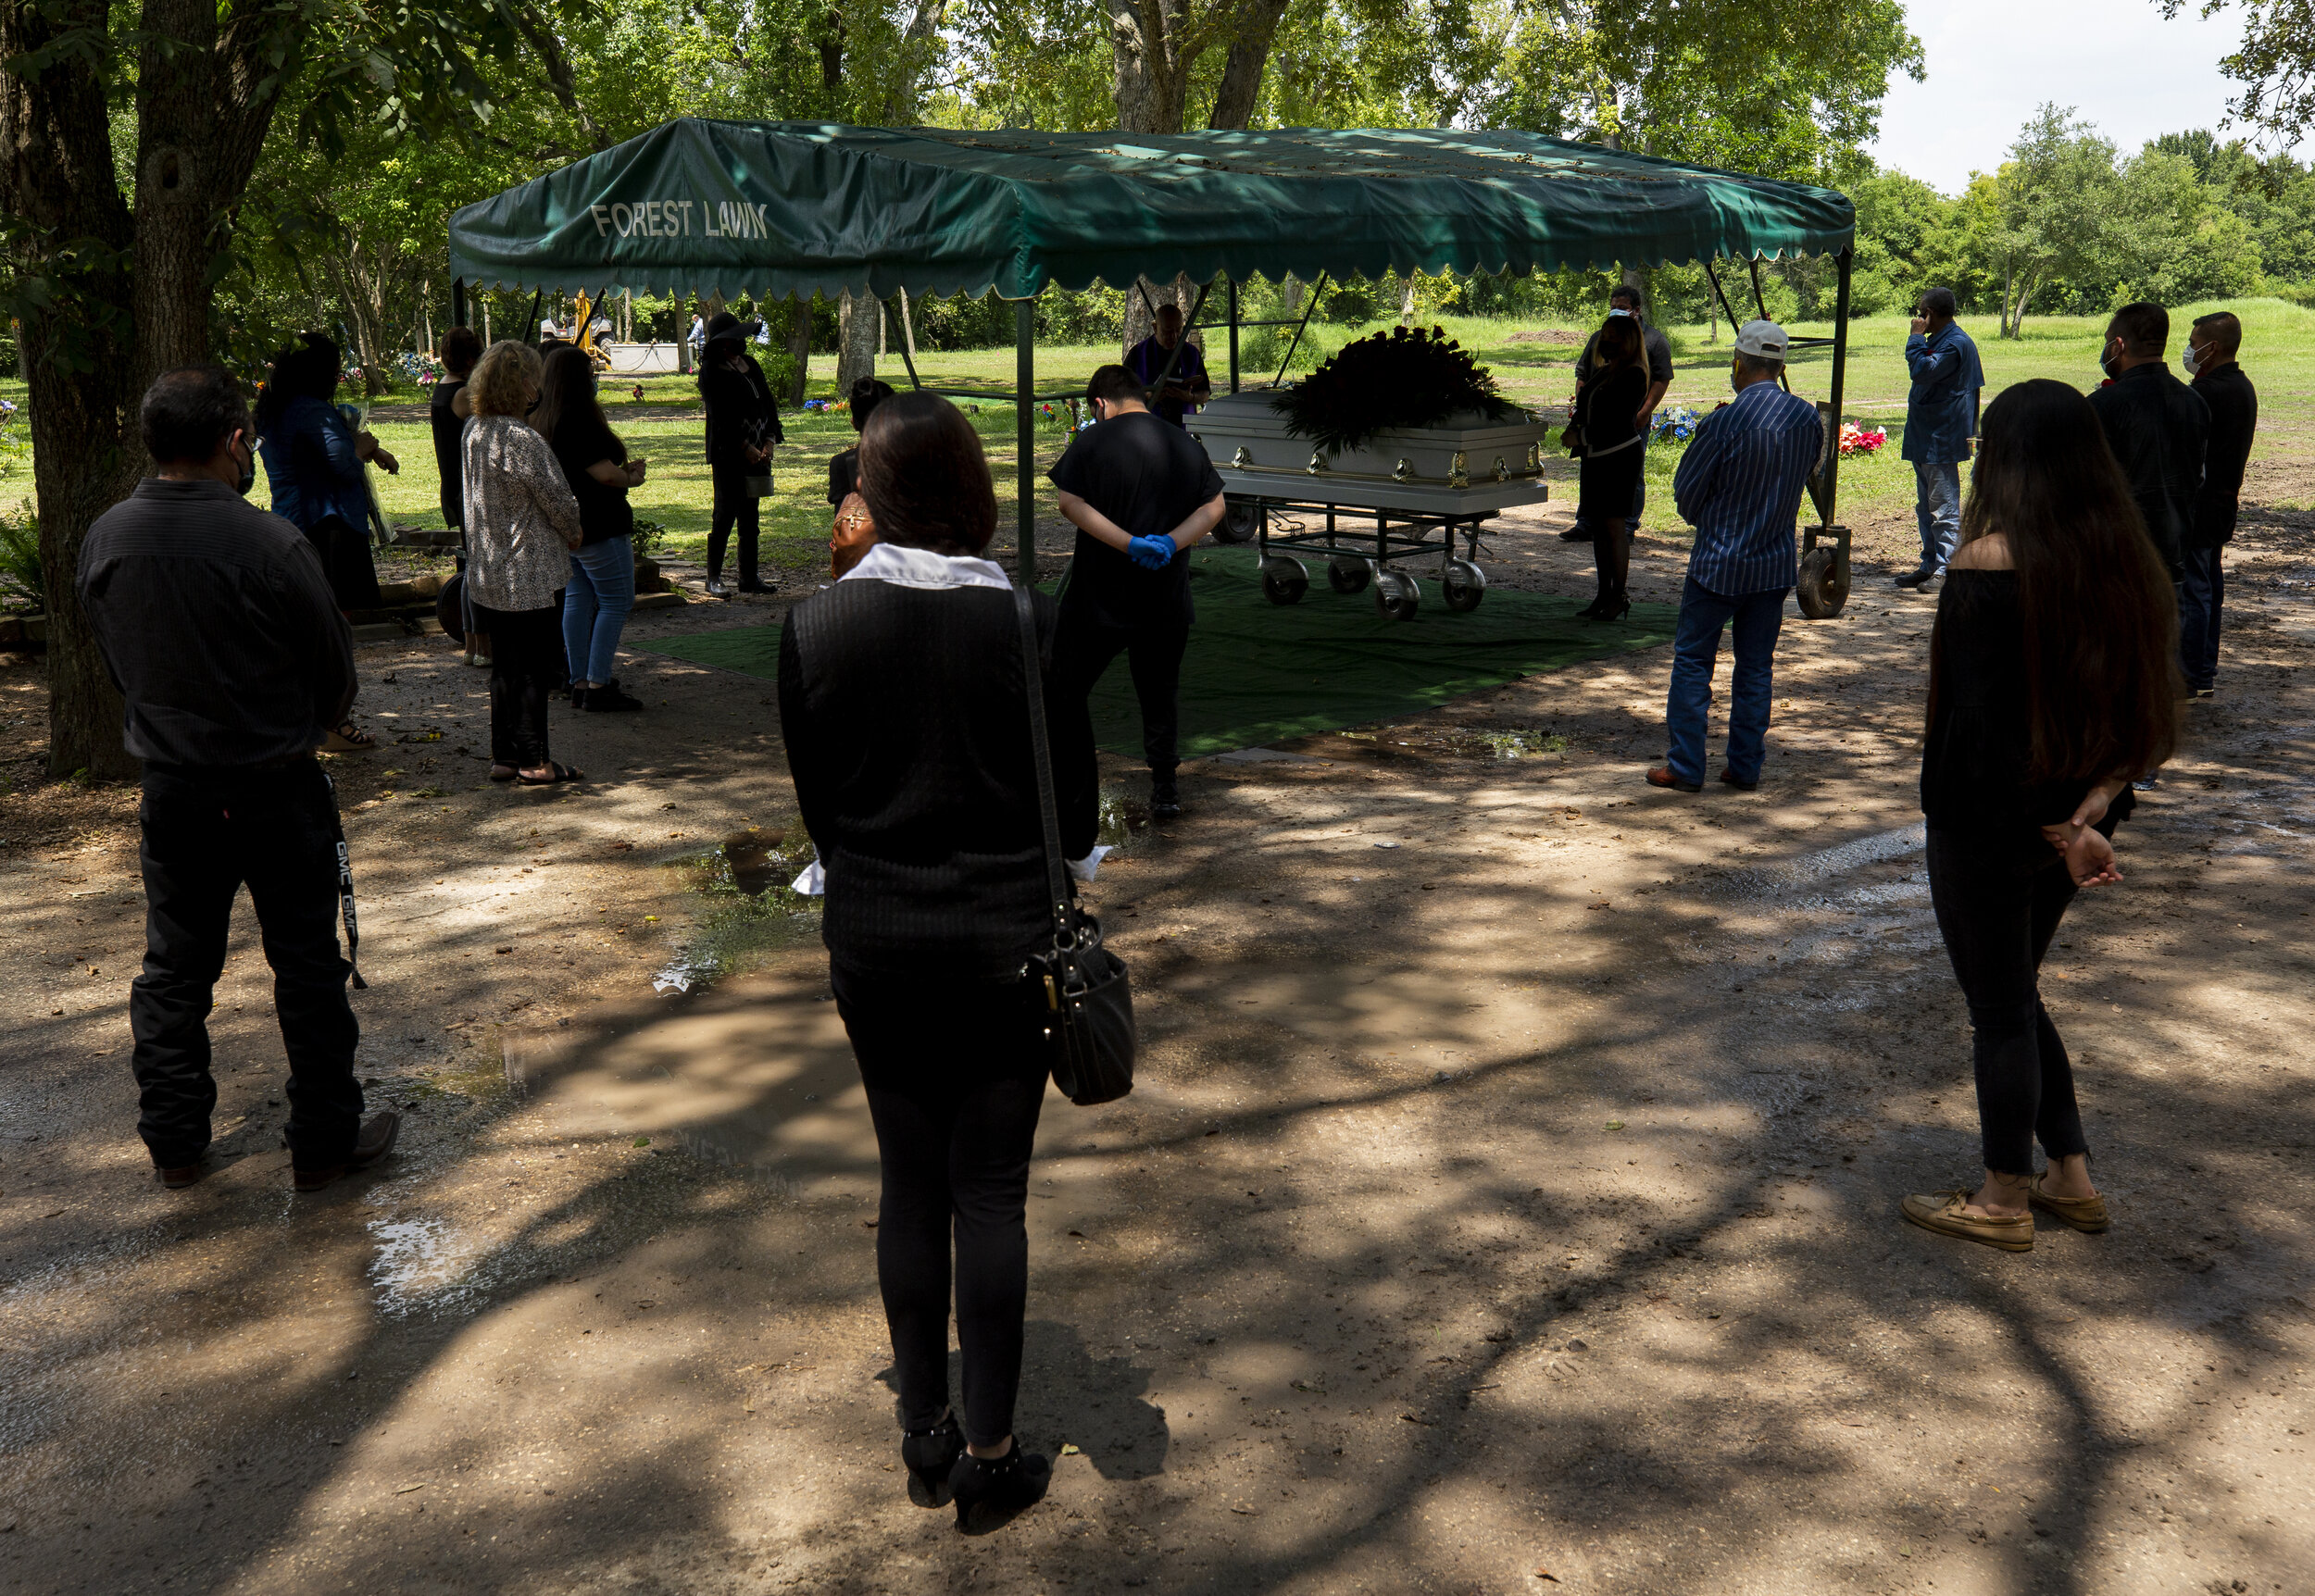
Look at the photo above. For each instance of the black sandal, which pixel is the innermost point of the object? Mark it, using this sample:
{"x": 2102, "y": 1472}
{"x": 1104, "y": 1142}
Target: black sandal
{"x": 562, "y": 773}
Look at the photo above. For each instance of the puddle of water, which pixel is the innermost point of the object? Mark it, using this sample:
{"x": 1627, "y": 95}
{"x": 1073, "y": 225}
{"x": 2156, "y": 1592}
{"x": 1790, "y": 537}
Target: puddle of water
{"x": 750, "y": 908}
{"x": 1523, "y": 742}
{"x": 1122, "y": 818}
{"x": 422, "y": 1265}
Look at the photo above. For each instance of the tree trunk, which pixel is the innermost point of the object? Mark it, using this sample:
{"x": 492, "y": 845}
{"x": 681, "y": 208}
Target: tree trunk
{"x": 1152, "y": 77}
{"x": 799, "y": 347}
{"x": 857, "y": 321}
{"x": 121, "y": 297}
{"x": 1141, "y": 314}
{"x": 1242, "y": 70}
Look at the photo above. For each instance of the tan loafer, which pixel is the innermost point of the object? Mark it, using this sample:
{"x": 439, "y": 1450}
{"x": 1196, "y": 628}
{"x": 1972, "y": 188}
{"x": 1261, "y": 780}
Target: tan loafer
{"x": 2085, "y": 1214}
{"x": 1941, "y": 1211}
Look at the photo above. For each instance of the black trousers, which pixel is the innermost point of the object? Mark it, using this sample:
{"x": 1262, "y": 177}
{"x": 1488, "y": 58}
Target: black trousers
{"x": 526, "y": 663}
{"x": 1999, "y": 904}
{"x": 1083, "y": 648}
{"x": 734, "y": 507}
{"x": 206, "y": 834}
{"x": 956, "y": 1079}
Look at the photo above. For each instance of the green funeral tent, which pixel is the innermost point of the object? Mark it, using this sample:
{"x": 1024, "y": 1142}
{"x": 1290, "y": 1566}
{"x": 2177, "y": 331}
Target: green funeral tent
{"x": 773, "y": 209}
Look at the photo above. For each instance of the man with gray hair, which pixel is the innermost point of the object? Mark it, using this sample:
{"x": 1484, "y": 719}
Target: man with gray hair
{"x": 1740, "y": 485}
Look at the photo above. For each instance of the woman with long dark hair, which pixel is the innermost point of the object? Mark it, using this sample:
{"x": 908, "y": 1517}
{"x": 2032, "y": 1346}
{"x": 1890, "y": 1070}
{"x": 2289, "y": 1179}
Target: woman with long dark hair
{"x": 2053, "y": 683}
{"x": 903, "y": 698}
{"x": 314, "y": 464}
{"x": 742, "y": 425}
{"x": 602, "y": 587}
{"x": 1607, "y": 409}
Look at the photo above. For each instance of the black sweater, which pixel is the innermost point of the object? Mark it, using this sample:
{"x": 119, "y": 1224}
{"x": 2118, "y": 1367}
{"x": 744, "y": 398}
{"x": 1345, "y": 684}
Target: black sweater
{"x": 908, "y": 737}
{"x": 1974, "y": 764}
{"x": 215, "y": 623}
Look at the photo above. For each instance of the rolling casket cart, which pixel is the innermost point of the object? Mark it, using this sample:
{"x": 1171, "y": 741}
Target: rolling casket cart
{"x": 1406, "y": 495}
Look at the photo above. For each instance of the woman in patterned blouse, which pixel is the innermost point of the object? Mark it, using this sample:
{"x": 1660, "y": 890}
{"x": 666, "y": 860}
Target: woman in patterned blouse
{"x": 521, "y": 523}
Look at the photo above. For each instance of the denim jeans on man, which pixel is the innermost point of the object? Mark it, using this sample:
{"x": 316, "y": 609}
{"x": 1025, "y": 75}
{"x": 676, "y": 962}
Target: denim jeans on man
{"x": 602, "y": 590}
{"x": 1756, "y": 619}
{"x": 1938, "y": 510}
{"x": 2201, "y": 589}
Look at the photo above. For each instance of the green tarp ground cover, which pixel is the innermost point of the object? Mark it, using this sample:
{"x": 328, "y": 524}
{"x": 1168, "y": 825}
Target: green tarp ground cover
{"x": 770, "y": 209}
{"x": 1258, "y": 673}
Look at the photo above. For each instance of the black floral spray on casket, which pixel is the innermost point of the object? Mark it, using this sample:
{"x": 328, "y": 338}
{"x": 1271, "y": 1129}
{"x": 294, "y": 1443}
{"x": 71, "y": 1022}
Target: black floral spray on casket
{"x": 1403, "y": 377}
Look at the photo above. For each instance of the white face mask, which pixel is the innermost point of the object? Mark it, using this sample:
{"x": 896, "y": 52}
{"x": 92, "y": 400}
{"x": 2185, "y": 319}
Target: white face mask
{"x": 2190, "y": 360}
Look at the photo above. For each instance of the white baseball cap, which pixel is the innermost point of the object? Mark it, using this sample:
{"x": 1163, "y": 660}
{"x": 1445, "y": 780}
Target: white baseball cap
{"x": 1761, "y": 340}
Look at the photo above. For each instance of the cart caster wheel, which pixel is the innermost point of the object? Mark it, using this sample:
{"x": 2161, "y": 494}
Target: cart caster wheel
{"x": 1238, "y": 524}
{"x": 1824, "y": 587}
{"x": 1285, "y": 581}
{"x": 1346, "y": 575}
{"x": 1463, "y": 587}
{"x": 1396, "y": 595}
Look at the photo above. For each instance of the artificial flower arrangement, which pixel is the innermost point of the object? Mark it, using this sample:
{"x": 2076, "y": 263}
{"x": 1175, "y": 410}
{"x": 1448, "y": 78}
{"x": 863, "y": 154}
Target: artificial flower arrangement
{"x": 1855, "y": 440}
{"x": 1403, "y": 377}
{"x": 828, "y": 403}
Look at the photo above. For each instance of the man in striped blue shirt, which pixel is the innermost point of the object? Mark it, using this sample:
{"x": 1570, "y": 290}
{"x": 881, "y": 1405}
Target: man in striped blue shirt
{"x": 1739, "y": 485}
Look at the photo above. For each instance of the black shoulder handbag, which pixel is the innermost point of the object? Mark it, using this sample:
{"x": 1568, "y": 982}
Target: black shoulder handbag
{"x": 1088, "y": 1006}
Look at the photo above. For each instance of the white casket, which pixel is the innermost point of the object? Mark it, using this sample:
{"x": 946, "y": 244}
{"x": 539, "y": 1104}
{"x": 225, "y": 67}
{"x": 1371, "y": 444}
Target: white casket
{"x": 1468, "y": 467}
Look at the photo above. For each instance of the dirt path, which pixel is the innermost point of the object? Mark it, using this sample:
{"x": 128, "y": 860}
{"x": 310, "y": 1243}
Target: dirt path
{"x": 1520, "y": 1197}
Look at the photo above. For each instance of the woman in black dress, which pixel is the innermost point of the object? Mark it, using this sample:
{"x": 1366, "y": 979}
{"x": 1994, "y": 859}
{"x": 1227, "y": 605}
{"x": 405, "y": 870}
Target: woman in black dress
{"x": 2053, "y": 683}
{"x": 903, "y": 699}
{"x": 742, "y": 425}
{"x": 1608, "y": 409}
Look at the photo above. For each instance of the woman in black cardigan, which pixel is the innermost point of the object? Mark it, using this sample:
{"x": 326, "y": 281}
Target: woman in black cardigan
{"x": 2053, "y": 683}
{"x": 742, "y": 425}
{"x": 903, "y": 704}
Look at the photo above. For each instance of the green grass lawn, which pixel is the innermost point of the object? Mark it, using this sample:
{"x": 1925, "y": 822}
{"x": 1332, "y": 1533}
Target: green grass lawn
{"x": 664, "y": 424}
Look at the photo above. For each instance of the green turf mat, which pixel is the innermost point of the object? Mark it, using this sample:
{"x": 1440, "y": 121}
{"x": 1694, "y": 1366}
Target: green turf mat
{"x": 1258, "y": 672}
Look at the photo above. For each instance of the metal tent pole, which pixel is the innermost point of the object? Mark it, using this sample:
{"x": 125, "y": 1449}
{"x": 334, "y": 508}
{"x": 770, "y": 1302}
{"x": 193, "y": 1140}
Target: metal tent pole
{"x": 1843, "y": 262}
{"x": 1234, "y": 335}
{"x": 1025, "y": 437}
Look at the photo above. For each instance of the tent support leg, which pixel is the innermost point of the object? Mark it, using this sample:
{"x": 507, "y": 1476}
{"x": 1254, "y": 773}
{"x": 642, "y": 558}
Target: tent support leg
{"x": 1843, "y": 262}
{"x": 1234, "y": 335}
{"x": 1025, "y": 437}
{"x": 458, "y": 302}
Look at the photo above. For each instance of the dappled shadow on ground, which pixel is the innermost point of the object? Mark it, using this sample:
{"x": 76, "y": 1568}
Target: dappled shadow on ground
{"x": 1518, "y": 1196}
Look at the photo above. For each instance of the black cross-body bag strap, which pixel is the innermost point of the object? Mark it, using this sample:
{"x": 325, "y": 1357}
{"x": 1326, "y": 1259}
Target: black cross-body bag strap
{"x": 1049, "y": 810}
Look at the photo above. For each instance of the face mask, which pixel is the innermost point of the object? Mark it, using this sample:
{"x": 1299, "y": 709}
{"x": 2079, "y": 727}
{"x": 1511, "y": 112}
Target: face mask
{"x": 248, "y": 477}
{"x": 2107, "y": 363}
{"x": 1618, "y": 310}
{"x": 2188, "y": 358}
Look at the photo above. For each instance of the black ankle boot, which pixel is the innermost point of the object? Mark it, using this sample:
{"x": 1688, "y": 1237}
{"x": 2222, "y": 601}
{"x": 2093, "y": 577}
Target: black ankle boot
{"x": 931, "y": 1454}
{"x": 991, "y": 1492}
{"x": 1165, "y": 796}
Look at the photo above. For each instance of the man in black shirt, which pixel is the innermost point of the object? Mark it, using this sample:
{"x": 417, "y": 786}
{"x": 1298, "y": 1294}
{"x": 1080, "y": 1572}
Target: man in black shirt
{"x": 1188, "y": 386}
{"x": 2234, "y": 404}
{"x": 1140, "y": 494}
{"x": 2156, "y": 425}
{"x": 216, "y": 622}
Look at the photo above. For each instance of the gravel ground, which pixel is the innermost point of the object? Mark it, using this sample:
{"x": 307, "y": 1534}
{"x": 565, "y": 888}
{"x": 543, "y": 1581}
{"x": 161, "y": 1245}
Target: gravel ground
{"x": 1508, "y": 1204}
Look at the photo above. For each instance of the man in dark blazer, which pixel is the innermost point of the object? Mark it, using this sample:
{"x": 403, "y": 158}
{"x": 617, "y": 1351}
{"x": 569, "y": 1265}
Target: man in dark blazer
{"x": 2210, "y": 359}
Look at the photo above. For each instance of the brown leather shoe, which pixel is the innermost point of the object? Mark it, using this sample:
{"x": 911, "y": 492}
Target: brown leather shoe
{"x": 1942, "y": 1212}
{"x": 2085, "y": 1214}
{"x": 184, "y": 1175}
{"x": 374, "y": 1142}
{"x": 1729, "y": 776}
{"x": 1662, "y": 777}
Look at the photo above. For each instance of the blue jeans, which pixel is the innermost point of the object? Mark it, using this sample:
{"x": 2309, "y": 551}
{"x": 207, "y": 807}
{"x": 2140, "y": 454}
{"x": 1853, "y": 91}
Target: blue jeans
{"x": 2199, "y": 593}
{"x": 1938, "y": 509}
{"x": 1639, "y": 500}
{"x": 602, "y": 590}
{"x": 1696, "y": 647}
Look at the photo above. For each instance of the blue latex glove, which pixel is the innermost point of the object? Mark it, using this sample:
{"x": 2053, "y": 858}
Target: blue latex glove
{"x": 1151, "y": 553}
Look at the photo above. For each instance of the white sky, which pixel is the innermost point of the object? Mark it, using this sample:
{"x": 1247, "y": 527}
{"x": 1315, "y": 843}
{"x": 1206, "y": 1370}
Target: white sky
{"x": 2116, "y": 62}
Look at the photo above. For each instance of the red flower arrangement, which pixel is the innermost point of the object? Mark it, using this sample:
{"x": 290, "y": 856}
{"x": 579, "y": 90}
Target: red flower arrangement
{"x": 1855, "y": 440}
